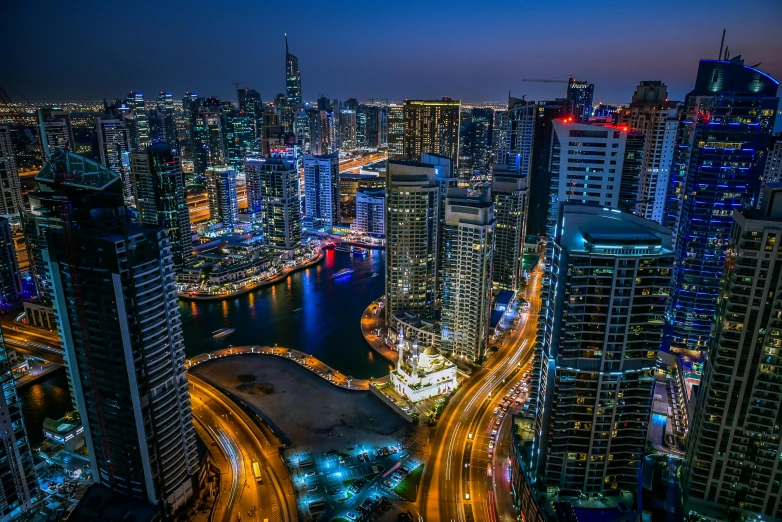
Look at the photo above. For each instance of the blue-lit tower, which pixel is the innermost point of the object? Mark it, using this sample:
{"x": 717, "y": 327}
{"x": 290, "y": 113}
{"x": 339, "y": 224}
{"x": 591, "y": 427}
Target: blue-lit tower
{"x": 723, "y": 138}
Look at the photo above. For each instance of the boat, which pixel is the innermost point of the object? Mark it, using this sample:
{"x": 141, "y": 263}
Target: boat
{"x": 296, "y": 311}
{"x": 342, "y": 273}
{"x": 222, "y": 332}
{"x": 358, "y": 251}
{"x": 329, "y": 246}
{"x": 374, "y": 274}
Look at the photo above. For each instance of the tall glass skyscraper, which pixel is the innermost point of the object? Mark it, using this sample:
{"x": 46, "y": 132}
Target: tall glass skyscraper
{"x": 160, "y": 198}
{"x": 723, "y": 140}
{"x": 121, "y": 331}
{"x": 733, "y": 453}
{"x": 601, "y": 330}
{"x": 292, "y": 77}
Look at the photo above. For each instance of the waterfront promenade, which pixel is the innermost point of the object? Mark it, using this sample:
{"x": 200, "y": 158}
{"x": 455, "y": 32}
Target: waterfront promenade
{"x": 295, "y": 356}
{"x": 370, "y": 323}
{"x": 200, "y": 295}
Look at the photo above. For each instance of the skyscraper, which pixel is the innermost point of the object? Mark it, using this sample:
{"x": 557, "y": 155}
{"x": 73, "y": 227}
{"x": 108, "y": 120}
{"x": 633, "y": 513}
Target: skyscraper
{"x": 370, "y": 212}
{"x": 292, "y": 78}
{"x": 45, "y": 214}
{"x": 10, "y": 278}
{"x": 208, "y": 139}
{"x": 10, "y": 185}
{"x": 651, "y": 113}
{"x": 239, "y": 136}
{"x": 273, "y": 189}
{"x": 579, "y": 99}
{"x": 161, "y": 124}
{"x": 368, "y": 126}
{"x": 140, "y": 136}
{"x": 321, "y": 188}
{"x": 396, "y": 131}
{"x": 347, "y": 128}
{"x": 114, "y": 149}
{"x": 773, "y": 171}
{"x": 601, "y": 329}
{"x": 160, "y": 198}
{"x": 56, "y": 130}
{"x": 586, "y": 165}
{"x": 468, "y": 248}
{"x": 433, "y": 127}
{"x": 540, "y": 175}
{"x": 19, "y": 488}
{"x": 121, "y": 332}
{"x": 721, "y": 151}
{"x": 734, "y": 445}
{"x": 510, "y": 195}
{"x": 223, "y": 201}
{"x": 515, "y": 149}
{"x": 411, "y": 236}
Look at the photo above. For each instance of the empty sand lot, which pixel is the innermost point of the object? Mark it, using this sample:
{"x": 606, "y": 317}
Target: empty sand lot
{"x": 311, "y": 412}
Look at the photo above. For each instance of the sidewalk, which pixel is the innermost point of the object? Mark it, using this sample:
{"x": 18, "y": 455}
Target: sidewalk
{"x": 306, "y": 360}
{"x": 371, "y": 322}
{"x": 37, "y": 373}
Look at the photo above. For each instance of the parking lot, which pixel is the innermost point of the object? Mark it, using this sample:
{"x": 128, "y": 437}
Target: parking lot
{"x": 355, "y": 481}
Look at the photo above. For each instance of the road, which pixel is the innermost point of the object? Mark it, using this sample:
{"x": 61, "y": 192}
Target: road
{"x": 28, "y": 340}
{"x": 240, "y": 442}
{"x": 355, "y": 164}
{"x": 456, "y": 484}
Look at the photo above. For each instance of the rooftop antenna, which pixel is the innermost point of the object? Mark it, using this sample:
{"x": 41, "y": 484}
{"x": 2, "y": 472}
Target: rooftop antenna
{"x": 286, "y": 43}
{"x": 719, "y": 57}
{"x": 727, "y": 53}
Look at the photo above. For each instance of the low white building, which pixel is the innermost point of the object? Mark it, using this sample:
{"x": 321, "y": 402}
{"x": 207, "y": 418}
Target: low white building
{"x": 419, "y": 376}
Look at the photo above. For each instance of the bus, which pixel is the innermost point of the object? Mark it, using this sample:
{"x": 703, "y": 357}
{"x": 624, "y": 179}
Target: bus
{"x": 257, "y": 472}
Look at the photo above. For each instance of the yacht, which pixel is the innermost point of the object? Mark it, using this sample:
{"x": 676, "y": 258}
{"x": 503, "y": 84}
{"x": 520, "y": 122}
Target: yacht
{"x": 342, "y": 273}
{"x": 222, "y": 332}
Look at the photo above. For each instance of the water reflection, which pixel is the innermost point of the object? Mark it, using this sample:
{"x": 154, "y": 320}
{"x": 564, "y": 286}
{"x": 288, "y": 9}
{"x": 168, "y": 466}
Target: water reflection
{"x": 48, "y": 397}
{"x": 309, "y": 311}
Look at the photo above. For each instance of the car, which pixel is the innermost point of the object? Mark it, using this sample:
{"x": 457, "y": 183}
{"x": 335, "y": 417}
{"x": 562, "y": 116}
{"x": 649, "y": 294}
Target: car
{"x": 502, "y": 414}
{"x": 496, "y": 410}
{"x": 494, "y": 431}
{"x": 351, "y": 515}
{"x": 491, "y": 444}
{"x": 393, "y": 449}
{"x": 406, "y": 408}
{"x": 309, "y": 474}
{"x": 360, "y": 457}
{"x": 366, "y": 457}
{"x": 312, "y": 488}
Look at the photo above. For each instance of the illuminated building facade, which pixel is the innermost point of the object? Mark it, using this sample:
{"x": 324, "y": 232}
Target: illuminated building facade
{"x": 140, "y": 137}
{"x": 292, "y": 78}
{"x": 321, "y": 188}
{"x": 652, "y": 114}
{"x": 10, "y": 185}
{"x": 510, "y": 195}
{"x": 431, "y": 126}
{"x": 601, "y": 330}
{"x": 721, "y": 151}
{"x": 734, "y": 446}
{"x": 160, "y": 198}
{"x": 273, "y": 190}
{"x": 579, "y": 99}
{"x": 467, "y": 254}
{"x": 396, "y": 131}
{"x": 411, "y": 238}
{"x": 223, "y": 202}
{"x": 114, "y": 149}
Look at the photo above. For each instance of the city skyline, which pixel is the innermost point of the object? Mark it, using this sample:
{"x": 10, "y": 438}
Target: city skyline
{"x": 400, "y": 57}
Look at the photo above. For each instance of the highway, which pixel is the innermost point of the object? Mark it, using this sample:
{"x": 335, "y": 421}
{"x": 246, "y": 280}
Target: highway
{"x": 456, "y": 485}
{"x": 240, "y": 442}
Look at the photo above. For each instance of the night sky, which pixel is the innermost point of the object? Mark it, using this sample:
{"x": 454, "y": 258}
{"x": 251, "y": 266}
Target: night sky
{"x": 473, "y": 51}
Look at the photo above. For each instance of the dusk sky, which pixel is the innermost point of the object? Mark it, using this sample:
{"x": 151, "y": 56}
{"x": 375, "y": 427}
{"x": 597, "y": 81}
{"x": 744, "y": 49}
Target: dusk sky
{"x": 86, "y": 50}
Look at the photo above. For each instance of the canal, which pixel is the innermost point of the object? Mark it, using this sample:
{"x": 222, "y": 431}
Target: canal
{"x": 310, "y": 310}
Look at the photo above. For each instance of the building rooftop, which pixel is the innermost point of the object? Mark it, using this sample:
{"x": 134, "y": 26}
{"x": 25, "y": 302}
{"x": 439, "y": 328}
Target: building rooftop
{"x": 78, "y": 171}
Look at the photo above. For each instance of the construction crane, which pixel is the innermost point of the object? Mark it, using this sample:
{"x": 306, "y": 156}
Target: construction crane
{"x": 569, "y": 79}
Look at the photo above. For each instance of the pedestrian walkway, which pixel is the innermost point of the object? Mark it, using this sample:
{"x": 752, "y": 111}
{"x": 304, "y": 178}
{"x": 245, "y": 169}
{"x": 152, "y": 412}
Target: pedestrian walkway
{"x": 306, "y": 360}
{"x": 371, "y": 322}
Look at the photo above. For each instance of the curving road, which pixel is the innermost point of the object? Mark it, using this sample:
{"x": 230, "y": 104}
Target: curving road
{"x": 456, "y": 484}
{"x": 237, "y": 442}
